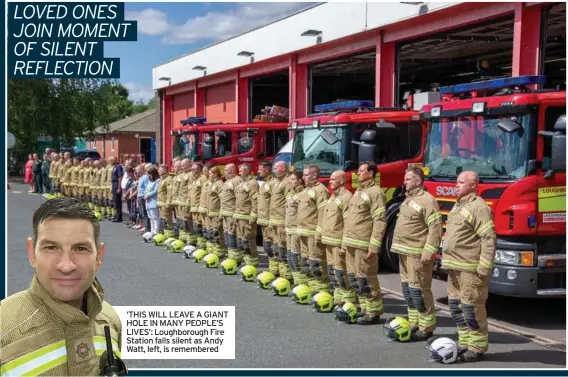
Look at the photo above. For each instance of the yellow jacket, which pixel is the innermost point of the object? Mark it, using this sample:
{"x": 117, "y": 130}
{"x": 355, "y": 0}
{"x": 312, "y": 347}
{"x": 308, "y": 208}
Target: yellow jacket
{"x": 330, "y": 228}
{"x": 228, "y": 198}
{"x": 43, "y": 336}
{"x": 281, "y": 186}
{"x": 310, "y": 203}
{"x": 246, "y": 200}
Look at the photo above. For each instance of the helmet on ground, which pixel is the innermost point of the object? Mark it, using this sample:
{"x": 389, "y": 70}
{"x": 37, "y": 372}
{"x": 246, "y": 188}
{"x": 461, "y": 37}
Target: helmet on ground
{"x": 398, "y": 328}
{"x": 90, "y": 205}
{"x": 264, "y": 279}
{"x": 199, "y": 254}
{"x": 188, "y": 251}
{"x": 148, "y": 237}
{"x": 168, "y": 241}
{"x": 248, "y": 273}
{"x": 347, "y": 313}
{"x": 323, "y": 302}
{"x": 443, "y": 350}
{"x": 229, "y": 266}
{"x": 159, "y": 239}
{"x": 176, "y": 246}
{"x": 99, "y": 216}
{"x": 302, "y": 294}
{"x": 211, "y": 261}
{"x": 281, "y": 287}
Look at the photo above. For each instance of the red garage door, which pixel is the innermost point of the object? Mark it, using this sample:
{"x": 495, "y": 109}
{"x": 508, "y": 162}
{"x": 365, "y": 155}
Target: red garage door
{"x": 220, "y": 103}
{"x": 182, "y": 108}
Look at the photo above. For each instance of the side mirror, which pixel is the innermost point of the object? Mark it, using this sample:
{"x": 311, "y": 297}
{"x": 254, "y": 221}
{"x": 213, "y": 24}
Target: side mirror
{"x": 509, "y": 126}
{"x": 350, "y": 165}
{"x": 560, "y": 124}
{"x": 558, "y": 159}
{"x": 367, "y": 145}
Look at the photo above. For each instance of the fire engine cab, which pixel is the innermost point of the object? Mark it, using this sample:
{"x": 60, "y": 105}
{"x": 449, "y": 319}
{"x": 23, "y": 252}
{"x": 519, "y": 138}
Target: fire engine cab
{"x": 224, "y": 143}
{"x": 514, "y": 137}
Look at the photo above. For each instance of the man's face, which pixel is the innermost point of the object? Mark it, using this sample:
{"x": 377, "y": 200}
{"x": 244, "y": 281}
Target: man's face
{"x": 364, "y": 173}
{"x": 34, "y": 156}
{"x": 280, "y": 168}
{"x": 306, "y": 176}
{"x": 66, "y": 258}
{"x": 464, "y": 185}
{"x": 243, "y": 171}
{"x": 335, "y": 181}
{"x": 161, "y": 171}
{"x": 411, "y": 181}
{"x": 264, "y": 171}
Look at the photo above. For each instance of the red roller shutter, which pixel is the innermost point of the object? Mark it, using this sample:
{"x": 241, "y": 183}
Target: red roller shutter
{"x": 182, "y": 108}
{"x": 220, "y": 103}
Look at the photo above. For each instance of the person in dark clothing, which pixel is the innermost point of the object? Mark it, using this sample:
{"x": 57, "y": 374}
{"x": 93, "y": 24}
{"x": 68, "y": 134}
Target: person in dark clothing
{"x": 45, "y": 166}
{"x": 117, "y": 173}
{"x": 38, "y": 182}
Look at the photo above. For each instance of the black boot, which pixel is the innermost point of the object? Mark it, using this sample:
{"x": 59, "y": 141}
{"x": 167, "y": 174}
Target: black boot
{"x": 369, "y": 319}
{"x": 471, "y": 357}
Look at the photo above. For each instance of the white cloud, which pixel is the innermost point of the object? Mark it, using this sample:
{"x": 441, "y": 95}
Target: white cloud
{"x": 150, "y": 21}
{"x": 138, "y": 92}
{"x": 215, "y": 25}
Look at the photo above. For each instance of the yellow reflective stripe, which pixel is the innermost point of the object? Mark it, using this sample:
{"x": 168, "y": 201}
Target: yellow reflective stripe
{"x": 226, "y": 213}
{"x": 433, "y": 217}
{"x": 427, "y": 320}
{"x": 376, "y": 242}
{"x": 100, "y": 345}
{"x": 194, "y": 209}
{"x": 253, "y": 215}
{"x": 318, "y": 229}
{"x": 354, "y": 242}
{"x": 467, "y": 215}
{"x": 306, "y": 232}
{"x": 275, "y": 222}
{"x": 430, "y": 248}
{"x": 485, "y": 228}
{"x": 262, "y": 222}
{"x": 459, "y": 265}
{"x": 322, "y": 205}
{"x": 379, "y": 211}
{"x": 403, "y": 248}
{"x": 477, "y": 342}
{"x": 331, "y": 241}
{"x": 415, "y": 206}
{"x": 483, "y": 262}
{"x": 241, "y": 217}
{"x": 37, "y": 362}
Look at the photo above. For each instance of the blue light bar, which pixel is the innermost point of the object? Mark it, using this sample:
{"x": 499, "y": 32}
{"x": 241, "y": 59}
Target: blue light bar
{"x": 193, "y": 120}
{"x": 493, "y": 84}
{"x": 343, "y": 105}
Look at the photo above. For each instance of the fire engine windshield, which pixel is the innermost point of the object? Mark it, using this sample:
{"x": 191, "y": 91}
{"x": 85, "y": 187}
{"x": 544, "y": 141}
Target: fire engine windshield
{"x": 494, "y": 147}
{"x": 320, "y": 147}
{"x": 184, "y": 146}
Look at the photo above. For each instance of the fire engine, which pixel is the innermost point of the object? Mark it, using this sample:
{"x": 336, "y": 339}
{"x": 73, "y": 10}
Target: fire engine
{"x": 341, "y": 134}
{"x": 224, "y": 143}
{"x": 514, "y": 137}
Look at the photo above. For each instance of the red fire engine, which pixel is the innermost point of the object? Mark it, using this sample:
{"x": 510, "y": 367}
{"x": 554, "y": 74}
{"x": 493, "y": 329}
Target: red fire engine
{"x": 341, "y": 134}
{"x": 515, "y": 139}
{"x": 224, "y": 143}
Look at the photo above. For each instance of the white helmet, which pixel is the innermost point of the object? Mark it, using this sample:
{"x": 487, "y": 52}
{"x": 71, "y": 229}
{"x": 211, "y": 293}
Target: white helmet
{"x": 188, "y": 250}
{"x": 168, "y": 242}
{"x": 147, "y": 237}
{"x": 443, "y": 350}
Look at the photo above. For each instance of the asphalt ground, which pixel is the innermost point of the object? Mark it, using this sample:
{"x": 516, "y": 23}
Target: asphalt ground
{"x": 271, "y": 332}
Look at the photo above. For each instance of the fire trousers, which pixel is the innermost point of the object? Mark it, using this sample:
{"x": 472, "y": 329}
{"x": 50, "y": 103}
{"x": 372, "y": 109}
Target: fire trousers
{"x": 467, "y": 294}
{"x": 337, "y": 272}
{"x": 362, "y": 273}
{"x": 318, "y": 279}
{"x": 299, "y": 267}
{"x": 416, "y": 282}
{"x": 278, "y": 263}
{"x": 246, "y": 242}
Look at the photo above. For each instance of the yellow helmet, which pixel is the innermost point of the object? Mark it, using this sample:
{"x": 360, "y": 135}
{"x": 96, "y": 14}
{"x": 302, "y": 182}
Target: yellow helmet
{"x": 323, "y": 302}
{"x": 159, "y": 239}
{"x": 264, "y": 279}
{"x": 248, "y": 273}
{"x": 211, "y": 261}
{"x": 198, "y": 255}
{"x": 99, "y": 216}
{"x": 229, "y": 266}
{"x": 281, "y": 287}
{"x": 347, "y": 313}
{"x": 176, "y": 246}
{"x": 302, "y": 294}
{"x": 398, "y": 328}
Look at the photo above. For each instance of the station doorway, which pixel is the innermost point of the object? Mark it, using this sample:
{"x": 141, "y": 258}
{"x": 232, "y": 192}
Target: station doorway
{"x": 268, "y": 90}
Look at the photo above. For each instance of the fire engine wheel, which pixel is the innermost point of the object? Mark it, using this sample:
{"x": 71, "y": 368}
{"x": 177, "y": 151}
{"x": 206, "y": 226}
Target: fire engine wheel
{"x": 388, "y": 259}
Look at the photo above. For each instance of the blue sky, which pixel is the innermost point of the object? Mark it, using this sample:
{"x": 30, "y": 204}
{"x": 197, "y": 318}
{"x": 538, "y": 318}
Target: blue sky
{"x": 167, "y": 30}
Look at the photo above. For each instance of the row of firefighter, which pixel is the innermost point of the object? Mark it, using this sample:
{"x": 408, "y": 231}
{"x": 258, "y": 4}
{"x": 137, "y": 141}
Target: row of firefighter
{"x": 322, "y": 242}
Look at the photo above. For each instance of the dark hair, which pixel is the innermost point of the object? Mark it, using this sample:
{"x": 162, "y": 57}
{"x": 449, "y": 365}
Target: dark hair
{"x": 299, "y": 176}
{"x": 64, "y": 208}
{"x": 153, "y": 173}
{"x": 266, "y": 164}
{"x": 371, "y": 166}
{"x": 209, "y": 166}
{"x": 417, "y": 172}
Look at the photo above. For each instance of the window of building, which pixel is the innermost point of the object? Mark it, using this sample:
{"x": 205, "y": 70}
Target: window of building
{"x": 112, "y": 144}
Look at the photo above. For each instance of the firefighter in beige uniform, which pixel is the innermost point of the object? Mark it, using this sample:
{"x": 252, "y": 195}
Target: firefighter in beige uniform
{"x": 331, "y": 234}
{"x": 96, "y": 186}
{"x": 232, "y": 181}
{"x": 174, "y": 199}
{"x": 246, "y": 204}
{"x": 74, "y": 177}
{"x": 62, "y": 174}
{"x": 310, "y": 204}
{"x": 87, "y": 175}
{"x": 53, "y": 328}
{"x": 214, "y": 219}
{"x": 106, "y": 186}
{"x": 164, "y": 206}
{"x": 417, "y": 234}
{"x": 281, "y": 186}
{"x": 263, "y": 212}
{"x": 365, "y": 225}
{"x": 185, "y": 178}
{"x": 468, "y": 254}
{"x": 206, "y": 225}
{"x": 53, "y": 172}
{"x": 292, "y": 238}
{"x": 197, "y": 236}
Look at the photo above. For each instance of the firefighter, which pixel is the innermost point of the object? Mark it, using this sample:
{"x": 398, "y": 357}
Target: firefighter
{"x": 106, "y": 182}
{"x": 74, "y": 179}
{"x": 417, "y": 234}
{"x": 164, "y": 207}
{"x": 96, "y": 186}
{"x": 197, "y": 236}
{"x": 330, "y": 234}
{"x": 183, "y": 197}
{"x": 87, "y": 171}
{"x": 292, "y": 238}
{"x": 277, "y": 220}
{"x": 174, "y": 199}
{"x": 215, "y": 223}
{"x": 54, "y": 173}
{"x": 246, "y": 205}
{"x": 310, "y": 204}
{"x": 232, "y": 181}
{"x": 263, "y": 213}
{"x": 203, "y": 208}
{"x": 63, "y": 173}
{"x": 365, "y": 225}
{"x": 468, "y": 254}
{"x": 80, "y": 180}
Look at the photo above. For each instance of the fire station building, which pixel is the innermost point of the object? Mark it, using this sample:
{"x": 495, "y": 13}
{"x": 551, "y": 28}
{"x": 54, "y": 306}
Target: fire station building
{"x": 366, "y": 51}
